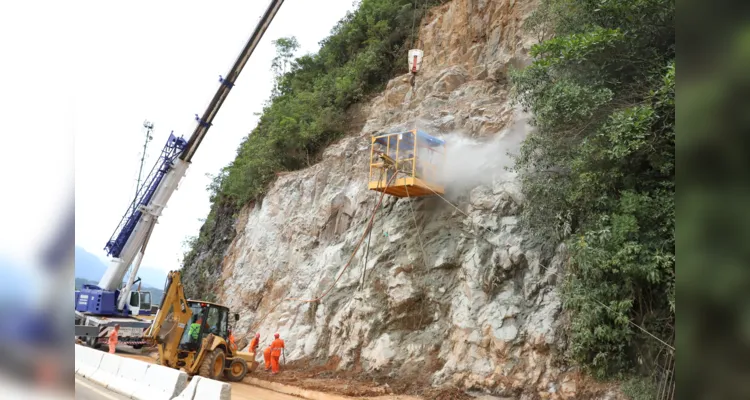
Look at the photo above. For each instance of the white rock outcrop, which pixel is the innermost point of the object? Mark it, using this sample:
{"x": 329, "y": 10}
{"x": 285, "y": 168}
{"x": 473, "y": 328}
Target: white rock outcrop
{"x": 479, "y": 298}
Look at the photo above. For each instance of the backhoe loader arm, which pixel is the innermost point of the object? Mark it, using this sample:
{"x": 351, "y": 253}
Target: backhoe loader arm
{"x": 171, "y": 320}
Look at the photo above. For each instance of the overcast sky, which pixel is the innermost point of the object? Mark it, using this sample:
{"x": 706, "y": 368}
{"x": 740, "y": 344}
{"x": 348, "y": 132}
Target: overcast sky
{"x": 161, "y": 61}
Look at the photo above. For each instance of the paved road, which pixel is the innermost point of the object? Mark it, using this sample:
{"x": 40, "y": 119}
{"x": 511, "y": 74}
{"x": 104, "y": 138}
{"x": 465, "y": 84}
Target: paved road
{"x": 88, "y": 390}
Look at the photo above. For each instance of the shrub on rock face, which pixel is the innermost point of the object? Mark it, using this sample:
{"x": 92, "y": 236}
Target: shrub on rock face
{"x": 599, "y": 170}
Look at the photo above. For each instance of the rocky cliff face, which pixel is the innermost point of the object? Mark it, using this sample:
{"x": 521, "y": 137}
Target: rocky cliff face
{"x": 454, "y": 293}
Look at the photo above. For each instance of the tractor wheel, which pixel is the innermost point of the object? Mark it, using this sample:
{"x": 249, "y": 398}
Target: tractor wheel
{"x": 237, "y": 370}
{"x": 213, "y": 365}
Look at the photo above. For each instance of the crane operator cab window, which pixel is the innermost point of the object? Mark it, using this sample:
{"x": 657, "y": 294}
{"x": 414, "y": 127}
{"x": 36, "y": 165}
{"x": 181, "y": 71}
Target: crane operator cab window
{"x": 140, "y": 301}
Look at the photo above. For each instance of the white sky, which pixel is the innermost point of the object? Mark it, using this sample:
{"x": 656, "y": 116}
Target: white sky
{"x": 112, "y": 65}
{"x": 36, "y": 153}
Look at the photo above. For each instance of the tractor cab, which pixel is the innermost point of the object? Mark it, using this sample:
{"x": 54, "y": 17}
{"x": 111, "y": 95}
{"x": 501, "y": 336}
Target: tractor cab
{"x": 204, "y": 347}
{"x": 208, "y": 318}
{"x": 194, "y": 335}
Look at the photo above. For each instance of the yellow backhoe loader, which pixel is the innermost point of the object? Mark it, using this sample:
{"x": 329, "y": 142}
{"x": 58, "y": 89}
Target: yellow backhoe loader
{"x": 194, "y": 335}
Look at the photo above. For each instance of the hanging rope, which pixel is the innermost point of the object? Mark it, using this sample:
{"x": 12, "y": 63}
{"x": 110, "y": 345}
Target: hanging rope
{"x": 356, "y": 248}
{"x": 413, "y": 24}
{"x": 416, "y": 227}
{"x": 414, "y": 37}
{"x": 359, "y": 243}
{"x": 369, "y": 237}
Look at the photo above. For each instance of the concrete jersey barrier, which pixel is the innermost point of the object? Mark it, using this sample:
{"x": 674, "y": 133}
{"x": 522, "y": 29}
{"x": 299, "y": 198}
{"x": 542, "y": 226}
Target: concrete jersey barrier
{"x": 107, "y": 371}
{"x": 87, "y": 360}
{"x": 209, "y": 389}
{"x": 140, "y": 380}
{"x": 134, "y": 378}
{"x": 159, "y": 383}
{"x": 129, "y": 377}
{"x": 205, "y": 389}
{"x": 189, "y": 392}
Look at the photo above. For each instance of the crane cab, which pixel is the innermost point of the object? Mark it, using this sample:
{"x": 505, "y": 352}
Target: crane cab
{"x": 140, "y": 302}
{"x": 415, "y": 156}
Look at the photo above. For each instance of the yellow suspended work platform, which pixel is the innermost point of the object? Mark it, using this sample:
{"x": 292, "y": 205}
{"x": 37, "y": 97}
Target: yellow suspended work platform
{"x": 415, "y": 156}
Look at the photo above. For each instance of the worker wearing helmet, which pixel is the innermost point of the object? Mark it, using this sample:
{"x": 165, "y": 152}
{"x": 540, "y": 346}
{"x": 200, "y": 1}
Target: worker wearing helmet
{"x": 277, "y": 346}
{"x": 254, "y": 343}
{"x": 113, "y": 338}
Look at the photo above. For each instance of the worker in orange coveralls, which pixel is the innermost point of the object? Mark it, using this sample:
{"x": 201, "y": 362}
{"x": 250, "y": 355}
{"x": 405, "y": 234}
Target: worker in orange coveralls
{"x": 113, "y": 339}
{"x": 254, "y": 343}
{"x": 277, "y": 346}
{"x": 267, "y": 357}
{"x": 232, "y": 343}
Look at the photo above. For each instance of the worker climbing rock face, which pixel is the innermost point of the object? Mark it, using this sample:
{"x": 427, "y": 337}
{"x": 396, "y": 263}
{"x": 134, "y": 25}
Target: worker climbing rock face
{"x": 277, "y": 346}
{"x": 113, "y": 339}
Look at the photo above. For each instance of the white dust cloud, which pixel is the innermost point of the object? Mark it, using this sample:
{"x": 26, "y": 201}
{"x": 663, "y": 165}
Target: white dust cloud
{"x": 471, "y": 162}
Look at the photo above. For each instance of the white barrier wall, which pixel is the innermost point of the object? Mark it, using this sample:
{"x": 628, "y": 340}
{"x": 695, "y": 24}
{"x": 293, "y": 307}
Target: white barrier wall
{"x": 189, "y": 392}
{"x": 203, "y": 388}
{"x": 129, "y": 377}
{"x": 160, "y": 383}
{"x": 87, "y": 360}
{"x": 134, "y": 378}
{"x": 143, "y": 381}
{"x": 107, "y": 371}
{"x": 211, "y": 389}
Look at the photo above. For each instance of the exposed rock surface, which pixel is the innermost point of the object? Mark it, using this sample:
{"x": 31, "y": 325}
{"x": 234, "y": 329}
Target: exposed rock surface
{"x": 462, "y": 286}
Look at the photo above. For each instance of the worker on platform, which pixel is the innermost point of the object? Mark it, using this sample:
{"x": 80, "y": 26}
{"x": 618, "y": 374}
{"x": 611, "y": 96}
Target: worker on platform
{"x": 277, "y": 346}
{"x": 267, "y": 357}
{"x": 113, "y": 338}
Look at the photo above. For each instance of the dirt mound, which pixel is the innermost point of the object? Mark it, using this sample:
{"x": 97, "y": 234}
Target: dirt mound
{"x": 445, "y": 394}
{"x": 354, "y": 382}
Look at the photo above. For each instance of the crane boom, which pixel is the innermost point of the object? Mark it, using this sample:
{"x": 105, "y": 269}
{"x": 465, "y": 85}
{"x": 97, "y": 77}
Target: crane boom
{"x": 131, "y": 236}
{"x": 227, "y": 83}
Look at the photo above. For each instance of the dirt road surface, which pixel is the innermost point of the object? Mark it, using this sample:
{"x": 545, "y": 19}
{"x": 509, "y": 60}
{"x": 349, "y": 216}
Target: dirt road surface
{"x": 248, "y": 392}
{"x": 337, "y": 388}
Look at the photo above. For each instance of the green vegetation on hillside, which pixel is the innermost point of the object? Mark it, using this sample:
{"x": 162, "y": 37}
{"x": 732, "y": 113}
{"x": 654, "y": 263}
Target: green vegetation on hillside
{"x": 306, "y": 110}
{"x": 599, "y": 171}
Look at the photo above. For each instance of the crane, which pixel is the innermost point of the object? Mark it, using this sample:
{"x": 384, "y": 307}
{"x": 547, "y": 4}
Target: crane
{"x": 103, "y": 305}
